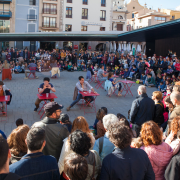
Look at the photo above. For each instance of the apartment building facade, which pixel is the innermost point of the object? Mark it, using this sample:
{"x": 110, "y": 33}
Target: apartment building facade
{"x": 7, "y": 17}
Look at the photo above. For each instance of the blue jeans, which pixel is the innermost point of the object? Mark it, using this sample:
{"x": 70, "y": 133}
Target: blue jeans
{"x": 79, "y": 97}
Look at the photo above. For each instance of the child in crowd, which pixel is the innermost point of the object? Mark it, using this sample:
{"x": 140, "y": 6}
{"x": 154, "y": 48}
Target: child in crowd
{"x": 75, "y": 67}
{"x": 158, "y": 80}
{"x": 64, "y": 120}
{"x": 116, "y": 84}
{"x": 126, "y": 74}
{"x": 83, "y": 66}
{"x": 161, "y": 86}
{"x": 150, "y": 81}
{"x": 96, "y": 68}
{"x": 126, "y": 65}
{"x": 65, "y": 65}
{"x": 70, "y": 67}
{"x": 159, "y": 71}
{"x": 133, "y": 71}
{"x": 19, "y": 122}
{"x": 107, "y": 69}
{"x": 121, "y": 72}
{"x": 169, "y": 70}
{"x": 147, "y": 71}
{"x": 79, "y": 63}
{"x": 142, "y": 79}
{"x": 136, "y": 142}
{"x": 17, "y": 68}
{"x": 120, "y": 116}
{"x": 113, "y": 70}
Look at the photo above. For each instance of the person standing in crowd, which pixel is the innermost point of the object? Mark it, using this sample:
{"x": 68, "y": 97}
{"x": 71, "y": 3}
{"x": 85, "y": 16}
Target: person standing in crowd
{"x": 44, "y": 88}
{"x": 35, "y": 165}
{"x": 5, "y": 156}
{"x": 142, "y": 109}
{"x": 16, "y": 142}
{"x": 103, "y": 146}
{"x": 175, "y": 98}
{"x": 125, "y": 162}
{"x": 80, "y": 143}
{"x": 159, "y": 107}
{"x": 82, "y": 86}
{"x": 159, "y": 152}
{"x": 76, "y": 167}
{"x": 55, "y": 132}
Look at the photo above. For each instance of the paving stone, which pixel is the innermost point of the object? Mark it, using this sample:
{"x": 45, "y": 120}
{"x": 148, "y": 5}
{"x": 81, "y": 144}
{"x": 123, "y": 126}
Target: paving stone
{"x": 25, "y": 93}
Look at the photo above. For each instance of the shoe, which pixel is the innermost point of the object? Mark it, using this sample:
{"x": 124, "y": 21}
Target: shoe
{"x": 37, "y": 77}
{"x": 26, "y": 78}
{"x": 119, "y": 95}
{"x": 68, "y": 108}
{"x": 4, "y": 114}
{"x": 35, "y": 109}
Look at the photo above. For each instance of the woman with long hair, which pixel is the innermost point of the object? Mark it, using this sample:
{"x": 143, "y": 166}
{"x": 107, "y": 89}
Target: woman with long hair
{"x": 81, "y": 124}
{"x": 16, "y": 142}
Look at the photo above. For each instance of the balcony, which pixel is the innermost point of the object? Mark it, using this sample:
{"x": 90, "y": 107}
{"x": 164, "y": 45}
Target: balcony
{"x": 49, "y": 11}
{"x": 5, "y": 14}
{"x": 102, "y": 19}
{"x": 5, "y": 0}
{"x": 49, "y": 25}
{"x": 31, "y": 17}
{"x": 84, "y": 17}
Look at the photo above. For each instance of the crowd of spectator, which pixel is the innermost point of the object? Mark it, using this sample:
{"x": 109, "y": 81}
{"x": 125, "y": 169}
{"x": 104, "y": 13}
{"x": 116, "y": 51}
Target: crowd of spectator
{"x": 144, "y": 147}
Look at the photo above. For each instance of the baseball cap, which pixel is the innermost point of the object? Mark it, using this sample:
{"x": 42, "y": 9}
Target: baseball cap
{"x": 51, "y": 107}
{"x": 64, "y": 118}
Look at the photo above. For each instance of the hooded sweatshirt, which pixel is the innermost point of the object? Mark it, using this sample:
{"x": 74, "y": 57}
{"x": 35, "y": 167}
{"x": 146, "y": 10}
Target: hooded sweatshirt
{"x": 159, "y": 156}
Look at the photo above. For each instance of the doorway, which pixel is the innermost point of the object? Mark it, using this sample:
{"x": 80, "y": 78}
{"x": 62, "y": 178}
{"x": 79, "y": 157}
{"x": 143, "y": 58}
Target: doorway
{"x": 83, "y": 46}
{"x": 47, "y": 46}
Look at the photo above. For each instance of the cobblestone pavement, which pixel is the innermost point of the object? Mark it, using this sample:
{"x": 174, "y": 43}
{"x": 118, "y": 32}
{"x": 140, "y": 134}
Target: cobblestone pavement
{"x": 25, "y": 93}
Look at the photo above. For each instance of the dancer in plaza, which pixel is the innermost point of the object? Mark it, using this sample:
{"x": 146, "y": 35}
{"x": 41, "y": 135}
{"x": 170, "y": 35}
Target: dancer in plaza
{"x": 81, "y": 86}
{"x": 44, "y": 88}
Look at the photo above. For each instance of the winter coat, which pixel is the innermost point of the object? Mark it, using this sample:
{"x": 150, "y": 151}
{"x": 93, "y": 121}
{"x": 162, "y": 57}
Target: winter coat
{"x": 159, "y": 156}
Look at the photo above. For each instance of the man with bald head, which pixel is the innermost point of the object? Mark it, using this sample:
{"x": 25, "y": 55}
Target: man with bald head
{"x": 142, "y": 109}
{"x": 175, "y": 98}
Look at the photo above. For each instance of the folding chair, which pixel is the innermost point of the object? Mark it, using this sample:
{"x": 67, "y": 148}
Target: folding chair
{"x": 32, "y": 69}
{"x": 99, "y": 84}
{"x": 109, "y": 88}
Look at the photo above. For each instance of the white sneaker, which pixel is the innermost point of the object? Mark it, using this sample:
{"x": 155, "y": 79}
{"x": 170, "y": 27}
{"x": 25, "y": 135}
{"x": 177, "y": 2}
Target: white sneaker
{"x": 26, "y": 78}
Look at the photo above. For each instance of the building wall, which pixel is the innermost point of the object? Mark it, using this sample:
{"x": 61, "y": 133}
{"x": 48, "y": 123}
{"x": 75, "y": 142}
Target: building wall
{"x": 93, "y": 22}
{"x": 132, "y": 6}
{"x": 176, "y": 14}
{"x": 57, "y": 16}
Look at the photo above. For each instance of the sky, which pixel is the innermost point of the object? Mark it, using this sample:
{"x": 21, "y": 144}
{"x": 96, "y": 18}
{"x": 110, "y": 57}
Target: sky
{"x": 165, "y": 4}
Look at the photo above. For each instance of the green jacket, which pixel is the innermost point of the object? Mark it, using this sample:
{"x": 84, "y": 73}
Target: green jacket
{"x": 151, "y": 81}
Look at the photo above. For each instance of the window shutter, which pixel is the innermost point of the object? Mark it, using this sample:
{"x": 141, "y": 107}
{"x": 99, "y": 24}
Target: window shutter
{"x": 31, "y": 27}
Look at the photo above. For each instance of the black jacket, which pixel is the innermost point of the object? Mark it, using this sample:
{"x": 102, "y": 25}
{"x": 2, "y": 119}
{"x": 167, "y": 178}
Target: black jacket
{"x": 142, "y": 110}
{"x": 127, "y": 164}
{"x": 9, "y": 176}
{"x": 158, "y": 115}
{"x": 55, "y": 134}
{"x": 173, "y": 169}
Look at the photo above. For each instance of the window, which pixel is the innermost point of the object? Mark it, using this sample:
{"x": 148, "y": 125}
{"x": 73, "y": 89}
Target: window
{"x": 49, "y": 22}
{"x": 68, "y": 12}
{"x": 102, "y": 15}
{"x": 119, "y": 27}
{"x": 32, "y": 14}
{"x": 162, "y": 19}
{"x": 84, "y": 13}
{"x": 85, "y": 1}
{"x": 120, "y": 17}
{"x": 132, "y": 15}
{"x": 133, "y": 7}
{"x": 103, "y": 3}
{"x": 49, "y": 8}
{"x": 102, "y": 28}
{"x": 68, "y": 27}
{"x": 173, "y": 17}
{"x": 4, "y": 8}
{"x": 83, "y": 28}
{"x": 32, "y": 2}
{"x": 4, "y": 26}
{"x": 31, "y": 27}
{"x": 69, "y": 1}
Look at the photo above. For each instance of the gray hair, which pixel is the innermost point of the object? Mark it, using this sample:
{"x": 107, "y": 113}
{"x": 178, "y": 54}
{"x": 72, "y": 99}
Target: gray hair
{"x": 109, "y": 119}
{"x": 175, "y": 95}
{"x": 142, "y": 89}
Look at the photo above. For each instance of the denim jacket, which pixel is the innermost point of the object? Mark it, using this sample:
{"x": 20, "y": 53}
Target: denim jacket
{"x": 36, "y": 166}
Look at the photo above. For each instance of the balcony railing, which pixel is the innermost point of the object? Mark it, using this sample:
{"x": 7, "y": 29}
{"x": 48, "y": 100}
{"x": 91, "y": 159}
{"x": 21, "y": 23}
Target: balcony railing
{"x": 69, "y": 1}
{"x": 5, "y": 14}
{"x": 102, "y": 19}
{"x": 103, "y": 4}
{"x": 31, "y": 17}
{"x": 84, "y": 17}
{"x": 85, "y": 2}
{"x": 68, "y": 16}
{"x": 49, "y": 25}
{"x": 5, "y": 0}
{"x": 49, "y": 11}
